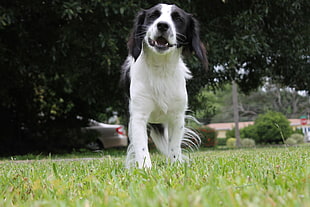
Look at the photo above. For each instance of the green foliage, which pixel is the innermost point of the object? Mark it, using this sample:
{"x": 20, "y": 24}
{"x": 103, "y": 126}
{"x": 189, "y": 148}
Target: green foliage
{"x": 205, "y": 105}
{"x": 250, "y": 41}
{"x": 249, "y": 131}
{"x": 272, "y": 127}
{"x": 270, "y": 97}
{"x": 231, "y": 142}
{"x": 299, "y": 138}
{"x": 290, "y": 141}
{"x": 63, "y": 60}
{"x": 246, "y": 142}
{"x": 221, "y": 141}
{"x": 207, "y": 136}
{"x": 230, "y": 133}
{"x": 298, "y": 131}
{"x": 60, "y": 59}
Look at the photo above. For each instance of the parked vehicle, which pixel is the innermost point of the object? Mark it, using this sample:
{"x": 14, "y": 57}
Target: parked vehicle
{"x": 110, "y": 135}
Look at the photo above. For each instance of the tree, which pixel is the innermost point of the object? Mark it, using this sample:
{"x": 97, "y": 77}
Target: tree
{"x": 60, "y": 59}
{"x": 236, "y": 113}
{"x": 270, "y": 97}
{"x": 255, "y": 39}
{"x": 288, "y": 101}
{"x": 251, "y": 40}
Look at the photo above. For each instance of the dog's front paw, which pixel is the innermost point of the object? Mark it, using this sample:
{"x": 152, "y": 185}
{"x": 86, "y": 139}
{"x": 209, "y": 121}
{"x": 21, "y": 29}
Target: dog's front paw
{"x": 136, "y": 158}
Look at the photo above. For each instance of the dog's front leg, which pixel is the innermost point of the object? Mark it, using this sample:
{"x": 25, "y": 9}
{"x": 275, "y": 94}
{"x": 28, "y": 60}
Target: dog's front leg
{"x": 176, "y": 133}
{"x": 138, "y": 153}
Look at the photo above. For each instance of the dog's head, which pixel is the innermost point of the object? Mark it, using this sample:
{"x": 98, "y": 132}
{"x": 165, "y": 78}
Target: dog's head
{"x": 164, "y": 28}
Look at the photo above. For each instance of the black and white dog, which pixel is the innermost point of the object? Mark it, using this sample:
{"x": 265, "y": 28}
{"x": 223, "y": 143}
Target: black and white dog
{"x": 156, "y": 76}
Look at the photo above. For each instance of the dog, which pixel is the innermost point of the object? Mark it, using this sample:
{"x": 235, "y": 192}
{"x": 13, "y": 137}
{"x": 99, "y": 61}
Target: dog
{"x": 156, "y": 75}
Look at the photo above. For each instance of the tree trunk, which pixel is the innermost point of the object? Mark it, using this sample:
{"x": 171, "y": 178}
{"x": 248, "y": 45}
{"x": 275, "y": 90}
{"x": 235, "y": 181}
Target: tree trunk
{"x": 236, "y": 113}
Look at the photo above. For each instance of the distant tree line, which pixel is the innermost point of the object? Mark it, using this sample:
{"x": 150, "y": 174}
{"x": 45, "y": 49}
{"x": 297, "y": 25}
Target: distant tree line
{"x": 60, "y": 59}
{"x": 270, "y": 97}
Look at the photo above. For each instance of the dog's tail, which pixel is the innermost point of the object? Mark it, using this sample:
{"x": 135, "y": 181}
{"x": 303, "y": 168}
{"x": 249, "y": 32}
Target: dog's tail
{"x": 159, "y": 135}
{"x": 190, "y": 141}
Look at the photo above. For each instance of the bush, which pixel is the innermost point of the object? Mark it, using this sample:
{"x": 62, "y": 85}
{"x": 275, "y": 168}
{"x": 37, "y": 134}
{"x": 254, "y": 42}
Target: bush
{"x": 231, "y": 143}
{"x": 298, "y": 137}
{"x": 290, "y": 141}
{"x": 221, "y": 141}
{"x": 246, "y": 132}
{"x": 271, "y": 127}
{"x": 230, "y": 133}
{"x": 246, "y": 142}
{"x": 208, "y": 136}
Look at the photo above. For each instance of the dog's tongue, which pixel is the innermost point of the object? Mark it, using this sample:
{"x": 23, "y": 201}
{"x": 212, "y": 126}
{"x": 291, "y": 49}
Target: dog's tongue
{"x": 161, "y": 41}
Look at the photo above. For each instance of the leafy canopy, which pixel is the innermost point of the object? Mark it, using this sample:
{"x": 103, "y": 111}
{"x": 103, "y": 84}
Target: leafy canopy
{"x": 60, "y": 59}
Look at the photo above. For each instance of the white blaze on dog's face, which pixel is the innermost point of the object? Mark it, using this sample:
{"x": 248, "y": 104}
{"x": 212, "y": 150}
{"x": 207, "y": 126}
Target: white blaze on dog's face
{"x": 161, "y": 34}
{"x": 166, "y": 27}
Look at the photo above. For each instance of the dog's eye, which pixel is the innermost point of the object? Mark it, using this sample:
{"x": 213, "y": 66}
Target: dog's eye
{"x": 154, "y": 15}
{"x": 177, "y": 17}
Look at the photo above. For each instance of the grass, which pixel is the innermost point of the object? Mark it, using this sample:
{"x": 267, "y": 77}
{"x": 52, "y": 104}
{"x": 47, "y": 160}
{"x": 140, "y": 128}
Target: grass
{"x": 74, "y": 155}
{"x": 246, "y": 177}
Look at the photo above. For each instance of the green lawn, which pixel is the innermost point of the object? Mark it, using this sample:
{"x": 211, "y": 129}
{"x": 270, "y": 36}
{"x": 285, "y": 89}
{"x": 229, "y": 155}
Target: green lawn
{"x": 247, "y": 177}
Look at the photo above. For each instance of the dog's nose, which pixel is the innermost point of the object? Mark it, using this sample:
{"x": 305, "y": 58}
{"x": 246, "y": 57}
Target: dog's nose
{"x": 162, "y": 26}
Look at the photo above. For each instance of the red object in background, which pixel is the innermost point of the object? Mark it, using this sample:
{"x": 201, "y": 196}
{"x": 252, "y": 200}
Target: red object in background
{"x": 304, "y": 121}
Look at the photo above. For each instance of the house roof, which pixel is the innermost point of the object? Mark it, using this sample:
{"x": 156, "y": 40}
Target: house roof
{"x": 230, "y": 125}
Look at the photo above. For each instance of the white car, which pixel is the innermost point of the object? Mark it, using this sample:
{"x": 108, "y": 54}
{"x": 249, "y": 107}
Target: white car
{"x": 110, "y": 135}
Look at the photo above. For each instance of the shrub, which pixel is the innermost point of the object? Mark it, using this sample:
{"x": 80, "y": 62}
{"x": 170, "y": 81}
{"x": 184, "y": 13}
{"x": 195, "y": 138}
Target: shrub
{"x": 271, "y": 127}
{"x": 246, "y": 142}
{"x": 230, "y": 133}
{"x": 208, "y": 136}
{"x": 246, "y": 132}
{"x": 221, "y": 141}
{"x": 231, "y": 142}
{"x": 298, "y": 137}
{"x": 290, "y": 141}
{"x": 299, "y": 131}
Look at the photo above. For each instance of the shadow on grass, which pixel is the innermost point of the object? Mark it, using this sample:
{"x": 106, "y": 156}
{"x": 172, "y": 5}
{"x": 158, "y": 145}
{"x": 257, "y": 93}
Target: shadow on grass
{"x": 82, "y": 153}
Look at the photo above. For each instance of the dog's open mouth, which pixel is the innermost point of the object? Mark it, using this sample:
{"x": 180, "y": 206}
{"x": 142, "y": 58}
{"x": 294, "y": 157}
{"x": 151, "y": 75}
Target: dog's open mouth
{"x": 160, "y": 43}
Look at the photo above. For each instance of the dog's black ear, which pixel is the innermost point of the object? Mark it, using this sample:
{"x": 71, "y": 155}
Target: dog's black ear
{"x": 195, "y": 43}
{"x": 136, "y": 37}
